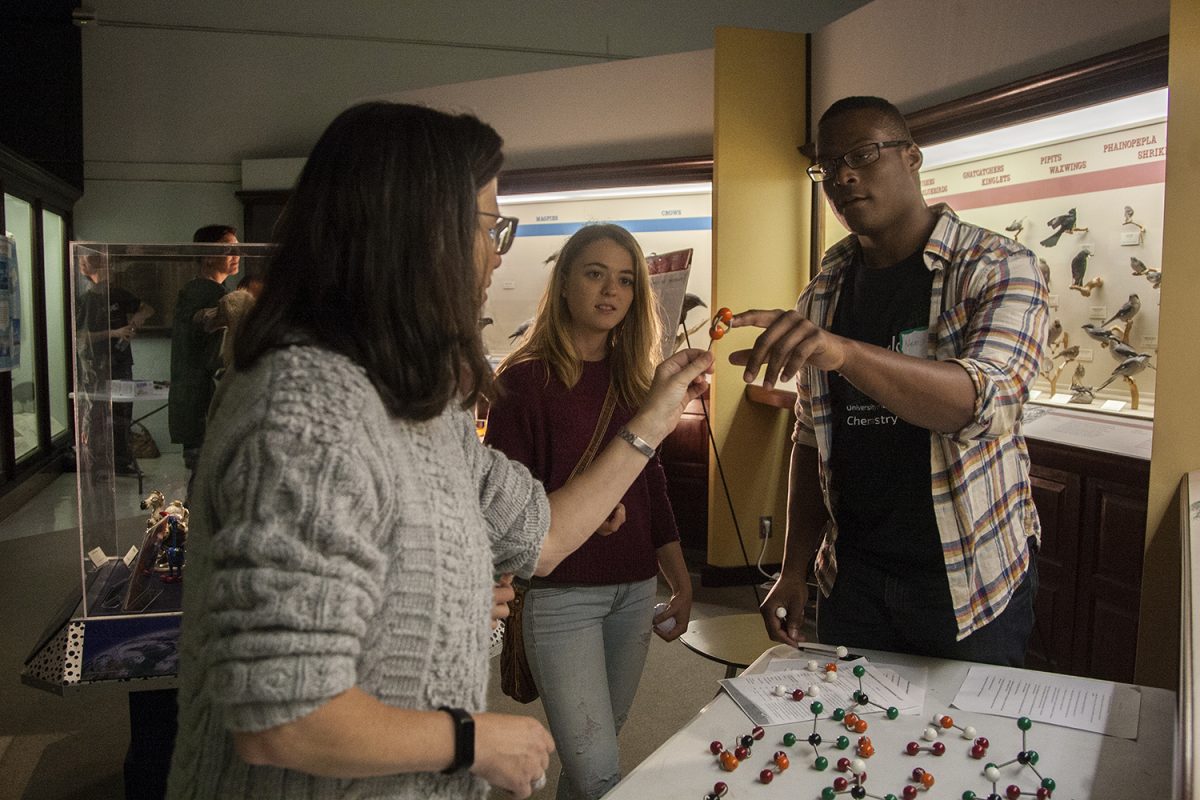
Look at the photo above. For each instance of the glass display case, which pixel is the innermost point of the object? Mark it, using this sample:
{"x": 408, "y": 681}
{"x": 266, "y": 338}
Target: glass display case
{"x": 121, "y": 621}
{"x": 1084, "y": 191}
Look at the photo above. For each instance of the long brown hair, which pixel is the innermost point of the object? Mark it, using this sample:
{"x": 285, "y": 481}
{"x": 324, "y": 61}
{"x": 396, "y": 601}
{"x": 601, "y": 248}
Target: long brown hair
{"x": 376, "y": 255}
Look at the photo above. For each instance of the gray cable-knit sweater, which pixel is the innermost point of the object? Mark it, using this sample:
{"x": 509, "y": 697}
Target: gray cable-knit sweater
{"x": 334, "y": 546}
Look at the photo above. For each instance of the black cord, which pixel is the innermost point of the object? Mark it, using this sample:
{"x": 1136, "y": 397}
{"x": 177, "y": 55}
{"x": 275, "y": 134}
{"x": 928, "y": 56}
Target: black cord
{"x": 724, "y": 484}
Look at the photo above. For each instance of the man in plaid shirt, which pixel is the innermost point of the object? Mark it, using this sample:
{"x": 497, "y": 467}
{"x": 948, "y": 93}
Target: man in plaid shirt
{"x": 913, "y": 353}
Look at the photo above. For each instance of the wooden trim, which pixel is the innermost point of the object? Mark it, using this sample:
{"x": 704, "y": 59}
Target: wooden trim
{"x": 689, "y": 169}
{"x": 1121, "y": 73}
{"x": 25, "y": 179}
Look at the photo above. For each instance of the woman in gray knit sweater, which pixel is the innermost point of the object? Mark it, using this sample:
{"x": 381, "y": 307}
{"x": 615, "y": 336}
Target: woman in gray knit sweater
{"x": 347, "y": 523}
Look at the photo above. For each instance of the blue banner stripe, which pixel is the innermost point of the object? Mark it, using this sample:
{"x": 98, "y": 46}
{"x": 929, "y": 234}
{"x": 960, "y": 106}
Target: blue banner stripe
{"x": 631, "y": 225}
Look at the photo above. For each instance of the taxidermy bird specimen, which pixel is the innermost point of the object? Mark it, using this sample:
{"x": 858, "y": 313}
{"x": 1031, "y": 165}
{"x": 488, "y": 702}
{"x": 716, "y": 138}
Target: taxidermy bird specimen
{"x": 1099, "y": 334}
{"x": 1126, "y": 312}
{"x": 1120, "y": 351}
{"x": 1128, "y": 368}
{"x": 1138, "y": 267}
{"x": 1055, "y": 332}
{"x": 1045, "y": 268}
{"x": 1064, "y": 223}
{"x": 1079, "y": 265}
{"x": 520, "y": 331}
{"x": 1015, "y": 228}
{"x": 1077, "y": 378}
{"x": 690, "y": 301}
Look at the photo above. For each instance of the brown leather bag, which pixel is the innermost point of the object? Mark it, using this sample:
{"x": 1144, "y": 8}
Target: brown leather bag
{"x": 516, "y": 680}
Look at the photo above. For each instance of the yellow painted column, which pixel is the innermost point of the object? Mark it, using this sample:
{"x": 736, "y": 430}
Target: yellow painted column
{"x": 761, "y": 228}
{"x": 1176, "y": 448}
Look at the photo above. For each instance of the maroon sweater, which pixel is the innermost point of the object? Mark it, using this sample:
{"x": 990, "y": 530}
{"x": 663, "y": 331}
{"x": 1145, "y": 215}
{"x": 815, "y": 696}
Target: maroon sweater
{"x": 545, "y": 426}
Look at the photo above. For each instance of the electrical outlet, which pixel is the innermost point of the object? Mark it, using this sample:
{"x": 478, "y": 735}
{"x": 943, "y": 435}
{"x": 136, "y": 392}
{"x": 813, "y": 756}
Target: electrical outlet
{"x": 764, "y": 527}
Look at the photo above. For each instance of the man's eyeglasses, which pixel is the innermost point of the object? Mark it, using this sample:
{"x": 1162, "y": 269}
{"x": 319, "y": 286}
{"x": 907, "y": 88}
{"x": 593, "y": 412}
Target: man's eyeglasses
{"x": 857, "y": 158}
{"x": 502, "y": 233}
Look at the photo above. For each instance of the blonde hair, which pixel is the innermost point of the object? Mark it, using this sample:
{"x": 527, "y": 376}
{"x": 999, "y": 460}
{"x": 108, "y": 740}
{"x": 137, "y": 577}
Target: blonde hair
{"x": 633, "y": 345}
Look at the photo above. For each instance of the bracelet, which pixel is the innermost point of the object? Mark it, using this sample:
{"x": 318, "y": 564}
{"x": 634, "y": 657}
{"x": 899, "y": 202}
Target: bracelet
{"x": 636, "y": 442}
{"x": 464, "y": 739}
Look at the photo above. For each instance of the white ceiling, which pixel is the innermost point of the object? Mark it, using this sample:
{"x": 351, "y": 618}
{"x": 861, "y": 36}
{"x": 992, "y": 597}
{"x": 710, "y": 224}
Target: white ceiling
{"x": 575, "y": 32}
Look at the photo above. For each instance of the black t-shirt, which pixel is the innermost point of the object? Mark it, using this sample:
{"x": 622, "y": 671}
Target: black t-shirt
{"x": 880, "y": 463}
{"x": 98, "y": 317}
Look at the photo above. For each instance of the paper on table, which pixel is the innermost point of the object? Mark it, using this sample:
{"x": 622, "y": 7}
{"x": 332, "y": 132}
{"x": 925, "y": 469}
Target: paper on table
{"x": 1081, "y": 703}
{"x": 911, "y": 683}
{"x": 755, "y": 694}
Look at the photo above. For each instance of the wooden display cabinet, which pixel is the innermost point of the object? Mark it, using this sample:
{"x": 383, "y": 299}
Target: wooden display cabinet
{"x": 1092, "y": 507}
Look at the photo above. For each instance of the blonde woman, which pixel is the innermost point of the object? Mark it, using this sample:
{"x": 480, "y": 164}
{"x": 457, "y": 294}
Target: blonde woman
{"x": 587, "y": 624}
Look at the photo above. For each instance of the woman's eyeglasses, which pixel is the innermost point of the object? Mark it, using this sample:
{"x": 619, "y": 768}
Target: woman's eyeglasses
{"x": 502, "y": 232}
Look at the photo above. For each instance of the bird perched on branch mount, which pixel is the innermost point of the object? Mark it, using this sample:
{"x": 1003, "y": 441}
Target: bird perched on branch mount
{"x": 690, "y": 301}
{"x": 1128, "y": 368}
{"x": 1054, "y": 332}
{"x": 1137, "y": 265}
{"x": 1119, "y": 350}
{"x": 1064, "y": 223}
{"x": 1045, "y": 268}
{"x": 1079, "y": 266}
{"x": 1127, "y": 311}
{"x": 1097, "y": 333}
{"x": 1068, "y": 353}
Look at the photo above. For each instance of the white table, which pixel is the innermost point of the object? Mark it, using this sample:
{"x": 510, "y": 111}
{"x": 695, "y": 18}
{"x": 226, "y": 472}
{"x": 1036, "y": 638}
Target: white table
{"x": 1084, "y": 765}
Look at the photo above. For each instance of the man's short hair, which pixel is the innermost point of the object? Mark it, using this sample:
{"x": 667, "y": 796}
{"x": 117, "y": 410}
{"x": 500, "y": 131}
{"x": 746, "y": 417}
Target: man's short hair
{"x": 893, "y": 120}
{"x": 211, "y": 234}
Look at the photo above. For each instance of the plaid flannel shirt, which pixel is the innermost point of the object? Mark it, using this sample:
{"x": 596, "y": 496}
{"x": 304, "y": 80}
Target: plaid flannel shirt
{"x": 987, "y": 313}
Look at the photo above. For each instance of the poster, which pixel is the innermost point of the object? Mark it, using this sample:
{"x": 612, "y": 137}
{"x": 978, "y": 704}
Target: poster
{"x": 668, "y": 278}
{"x": 10, "y": 306}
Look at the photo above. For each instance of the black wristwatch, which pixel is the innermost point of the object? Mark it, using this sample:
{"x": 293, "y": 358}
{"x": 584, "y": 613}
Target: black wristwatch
{"x": 464, "y": 739}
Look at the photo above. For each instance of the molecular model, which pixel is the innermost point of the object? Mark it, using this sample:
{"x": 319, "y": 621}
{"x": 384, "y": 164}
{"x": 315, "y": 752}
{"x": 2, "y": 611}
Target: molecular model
{"x": 853, "y": 782}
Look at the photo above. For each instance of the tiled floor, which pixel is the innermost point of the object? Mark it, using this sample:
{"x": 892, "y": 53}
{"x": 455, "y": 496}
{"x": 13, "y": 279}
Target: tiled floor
{"x": 56, "y": 508}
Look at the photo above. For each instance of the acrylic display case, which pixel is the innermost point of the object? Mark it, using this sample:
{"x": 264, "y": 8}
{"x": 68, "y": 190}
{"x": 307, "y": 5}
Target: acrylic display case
{"x": 121, "y": 620}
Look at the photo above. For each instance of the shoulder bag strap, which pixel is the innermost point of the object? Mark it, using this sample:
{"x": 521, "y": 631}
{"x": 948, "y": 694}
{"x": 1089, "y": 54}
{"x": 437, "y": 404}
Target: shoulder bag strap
{"x": 610, "y": 402}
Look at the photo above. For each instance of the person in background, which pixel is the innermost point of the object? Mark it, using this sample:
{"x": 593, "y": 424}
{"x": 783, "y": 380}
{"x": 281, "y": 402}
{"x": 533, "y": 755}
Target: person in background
{"x": 232, "y": 309}
{"x": 196, "y": 345}
{"x": 913, "y": 350}
{"x": 111, "y": 318}
{"x": 347, "y": 523}
{"x": 594, "y": 343}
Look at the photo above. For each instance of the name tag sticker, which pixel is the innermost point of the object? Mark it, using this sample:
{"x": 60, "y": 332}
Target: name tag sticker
{"x": 914, "y": 342}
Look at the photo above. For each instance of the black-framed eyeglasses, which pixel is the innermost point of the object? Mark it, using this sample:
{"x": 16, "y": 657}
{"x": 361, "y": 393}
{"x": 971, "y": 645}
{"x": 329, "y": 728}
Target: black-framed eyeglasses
{"x": 503, "y": 232}
{"x": 857, "y": 158}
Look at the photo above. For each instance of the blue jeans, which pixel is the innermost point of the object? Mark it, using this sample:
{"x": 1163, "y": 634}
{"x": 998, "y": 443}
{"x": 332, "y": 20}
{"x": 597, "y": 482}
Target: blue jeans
{"x": 872, "y": 608}
{"x": 586, "y": 647}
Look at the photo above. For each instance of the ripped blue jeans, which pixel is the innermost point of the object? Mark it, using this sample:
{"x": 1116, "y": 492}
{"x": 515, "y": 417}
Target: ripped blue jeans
{"x": 586, "y": 647}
